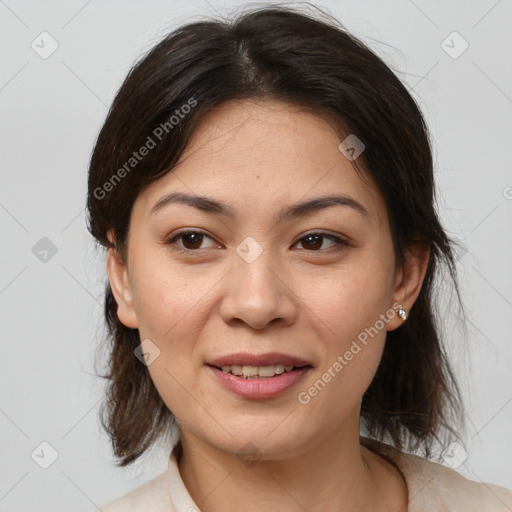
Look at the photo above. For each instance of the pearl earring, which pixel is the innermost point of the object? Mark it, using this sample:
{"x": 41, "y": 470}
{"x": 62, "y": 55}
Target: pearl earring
{"x": 402, "y": 314}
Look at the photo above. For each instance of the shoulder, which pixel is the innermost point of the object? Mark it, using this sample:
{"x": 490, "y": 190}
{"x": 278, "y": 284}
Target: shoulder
{"x": 153, "y": 495}
{"x": 433, "y": 486}
{"x": 164, "y": 493}
{"x": 440, "y": 486}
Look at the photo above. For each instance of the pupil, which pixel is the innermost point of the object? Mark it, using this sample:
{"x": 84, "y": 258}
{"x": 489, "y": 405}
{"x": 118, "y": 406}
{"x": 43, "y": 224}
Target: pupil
{"x": 310, "y": 237}
{"x": 190, "y": 237}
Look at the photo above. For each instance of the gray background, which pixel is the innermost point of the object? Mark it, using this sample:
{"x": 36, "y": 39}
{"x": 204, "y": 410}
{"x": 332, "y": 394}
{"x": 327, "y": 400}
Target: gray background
{"x": 51, "y": 111}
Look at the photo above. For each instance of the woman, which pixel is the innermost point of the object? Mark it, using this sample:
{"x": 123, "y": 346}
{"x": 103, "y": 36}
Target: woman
{"x": 264, "y": 189}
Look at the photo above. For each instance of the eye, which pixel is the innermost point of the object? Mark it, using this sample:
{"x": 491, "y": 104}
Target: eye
{"x": 191, "y": 240}
{"x": 314, "y": 241}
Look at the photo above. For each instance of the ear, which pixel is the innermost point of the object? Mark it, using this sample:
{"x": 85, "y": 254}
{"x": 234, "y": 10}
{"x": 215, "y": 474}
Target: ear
{"x": 117, "y": 272}
{"x": 408, "y": 282}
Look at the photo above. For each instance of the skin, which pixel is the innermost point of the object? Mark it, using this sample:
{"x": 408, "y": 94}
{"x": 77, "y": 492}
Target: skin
{"x": 297, "y": 297}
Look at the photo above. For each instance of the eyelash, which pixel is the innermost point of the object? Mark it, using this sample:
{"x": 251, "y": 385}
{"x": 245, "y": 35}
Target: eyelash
{"x": 341, "y": 244}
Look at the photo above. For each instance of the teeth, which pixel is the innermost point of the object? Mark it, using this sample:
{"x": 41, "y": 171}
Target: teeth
{"x": 257, "y": 371}
{"x": 280, "y": 369}
{"x": 236, "y": 370}
{"x": 250, "y": 371}
{"x": 266, "y": 371}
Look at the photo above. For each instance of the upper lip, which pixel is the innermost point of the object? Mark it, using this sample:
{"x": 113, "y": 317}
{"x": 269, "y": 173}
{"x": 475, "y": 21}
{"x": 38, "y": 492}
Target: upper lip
{"x": 268, "y": 359}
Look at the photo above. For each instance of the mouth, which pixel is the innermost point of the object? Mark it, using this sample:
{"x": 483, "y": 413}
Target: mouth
{"x": 261, "y": 376}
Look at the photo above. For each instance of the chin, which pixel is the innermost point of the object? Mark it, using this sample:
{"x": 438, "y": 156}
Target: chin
{"x": 271, "y": 438}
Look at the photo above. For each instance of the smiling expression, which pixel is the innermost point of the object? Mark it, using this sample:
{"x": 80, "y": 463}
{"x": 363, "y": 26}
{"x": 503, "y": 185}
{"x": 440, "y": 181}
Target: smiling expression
{"x": 262, "y": 241}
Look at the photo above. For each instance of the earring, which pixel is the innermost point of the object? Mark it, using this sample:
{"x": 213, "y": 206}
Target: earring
{"x": 402, "y": 314}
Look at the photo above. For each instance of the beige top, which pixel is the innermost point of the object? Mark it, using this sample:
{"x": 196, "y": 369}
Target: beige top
{"x": 432, "y": 487}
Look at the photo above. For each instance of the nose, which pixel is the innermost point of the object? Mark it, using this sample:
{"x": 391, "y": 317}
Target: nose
{"x": 257, "y": 293}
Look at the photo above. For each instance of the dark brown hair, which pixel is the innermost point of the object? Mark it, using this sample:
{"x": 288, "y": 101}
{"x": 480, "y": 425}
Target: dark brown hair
{"x": 281, "y": 54}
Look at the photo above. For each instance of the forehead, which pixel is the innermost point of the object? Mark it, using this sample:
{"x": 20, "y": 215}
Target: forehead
{"x": 250, "y": 154}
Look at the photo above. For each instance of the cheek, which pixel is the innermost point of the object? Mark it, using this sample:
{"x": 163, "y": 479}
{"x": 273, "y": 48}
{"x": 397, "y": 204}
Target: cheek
{"x": 352, "y": 310}
{"x": 171, "y": 311}
{"x": 172, "y": 307}
{"x": 351, "y": 352}
{"x": 166, "y": 296}
{"x": 348, "y": 301}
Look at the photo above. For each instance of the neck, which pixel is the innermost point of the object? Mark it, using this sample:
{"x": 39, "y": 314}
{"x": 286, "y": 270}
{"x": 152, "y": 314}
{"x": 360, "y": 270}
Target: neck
{"x": 333, "y": 474}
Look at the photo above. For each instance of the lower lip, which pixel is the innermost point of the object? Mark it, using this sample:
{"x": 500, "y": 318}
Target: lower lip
{"x": 261, "y": 387}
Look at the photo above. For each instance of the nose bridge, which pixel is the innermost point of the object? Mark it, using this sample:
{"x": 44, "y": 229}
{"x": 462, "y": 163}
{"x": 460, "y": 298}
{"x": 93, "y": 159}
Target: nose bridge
{"x": 256, "y": 293}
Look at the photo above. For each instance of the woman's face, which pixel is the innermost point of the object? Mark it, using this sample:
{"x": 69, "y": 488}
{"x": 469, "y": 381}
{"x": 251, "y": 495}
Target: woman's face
{"x": 254, "y": 281}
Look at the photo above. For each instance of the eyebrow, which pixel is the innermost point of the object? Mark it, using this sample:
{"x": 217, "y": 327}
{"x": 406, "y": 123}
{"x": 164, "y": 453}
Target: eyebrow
{"x": 297, "y": 210}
